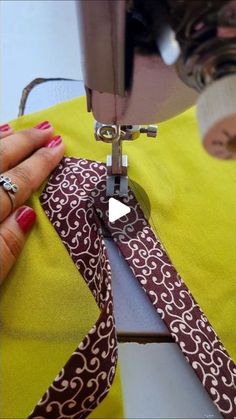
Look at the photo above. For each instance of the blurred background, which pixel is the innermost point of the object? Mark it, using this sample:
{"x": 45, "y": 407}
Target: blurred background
{"x": 35, "y": 42}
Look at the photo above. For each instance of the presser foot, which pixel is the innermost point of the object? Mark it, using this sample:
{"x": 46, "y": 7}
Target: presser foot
{"x": 117, "y": 184}
{"x": 117, "y": 163}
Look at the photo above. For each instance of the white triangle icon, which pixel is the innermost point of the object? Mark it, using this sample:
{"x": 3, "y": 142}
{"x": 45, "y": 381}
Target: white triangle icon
{"x": 116, "y": 209}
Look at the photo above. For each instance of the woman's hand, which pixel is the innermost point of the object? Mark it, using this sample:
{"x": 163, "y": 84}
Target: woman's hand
{"x": 27, "y": 158}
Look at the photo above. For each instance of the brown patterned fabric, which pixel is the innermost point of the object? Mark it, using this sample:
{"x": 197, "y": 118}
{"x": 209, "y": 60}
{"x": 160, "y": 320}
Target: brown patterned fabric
{"x": 76, "y": 203}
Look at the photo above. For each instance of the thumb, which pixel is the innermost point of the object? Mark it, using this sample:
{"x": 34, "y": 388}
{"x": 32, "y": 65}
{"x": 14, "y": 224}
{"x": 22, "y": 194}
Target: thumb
{"x": 12, "y": 237}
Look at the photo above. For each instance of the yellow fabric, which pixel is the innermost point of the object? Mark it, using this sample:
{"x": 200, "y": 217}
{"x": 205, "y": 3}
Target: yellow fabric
{"x": 46, "y": 307}
{"x": 193, "y": 200}
{"x": 193, "y": 205}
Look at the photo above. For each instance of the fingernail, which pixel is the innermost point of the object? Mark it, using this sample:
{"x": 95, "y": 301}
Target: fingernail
{"x": 4, "y": 128}
{"x": 25, "y": 217}
{"x": 54, "y": 141}
{"x": 43, "y": 125}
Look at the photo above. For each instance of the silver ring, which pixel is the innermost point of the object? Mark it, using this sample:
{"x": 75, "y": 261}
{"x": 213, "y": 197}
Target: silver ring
{"x": 10, "y": 188}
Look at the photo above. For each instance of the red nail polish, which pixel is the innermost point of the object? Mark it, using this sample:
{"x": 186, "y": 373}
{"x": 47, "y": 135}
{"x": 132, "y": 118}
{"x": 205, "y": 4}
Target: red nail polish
{"x": 43, "y": 125}
{"x": 25, "y": 217}
{"x": 54, "y": 141}
{"x": 4, "y": 128}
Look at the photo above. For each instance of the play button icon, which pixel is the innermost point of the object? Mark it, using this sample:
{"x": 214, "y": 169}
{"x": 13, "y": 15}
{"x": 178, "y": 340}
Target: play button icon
{"x": 116, "y": 209}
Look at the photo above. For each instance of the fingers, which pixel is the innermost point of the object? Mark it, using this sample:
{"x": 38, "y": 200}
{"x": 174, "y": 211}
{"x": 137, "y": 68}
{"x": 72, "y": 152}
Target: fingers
{"x": 31, "y": 173}
{"x": 5, "y": 131}
{"x": 22, "y": 144}
{"x": 27, "y": 158}
{"x": 12, "y": 237}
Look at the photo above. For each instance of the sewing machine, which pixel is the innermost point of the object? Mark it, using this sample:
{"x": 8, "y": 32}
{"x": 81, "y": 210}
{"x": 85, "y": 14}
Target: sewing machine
{"x": 146, "y": 61}
{"x": 151, "y": 373}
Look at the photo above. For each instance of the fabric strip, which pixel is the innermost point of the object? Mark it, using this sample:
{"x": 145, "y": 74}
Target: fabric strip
{"x": 87, "y": 376}
{"x": 76, "y": 204}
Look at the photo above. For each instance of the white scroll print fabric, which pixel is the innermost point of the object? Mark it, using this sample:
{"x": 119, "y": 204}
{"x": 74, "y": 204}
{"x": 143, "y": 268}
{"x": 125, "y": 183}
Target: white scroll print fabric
{"x": 76, "y": 204}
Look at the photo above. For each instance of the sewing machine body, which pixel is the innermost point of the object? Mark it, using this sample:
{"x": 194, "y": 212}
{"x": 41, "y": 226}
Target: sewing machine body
{"x": 146, "y": 61}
